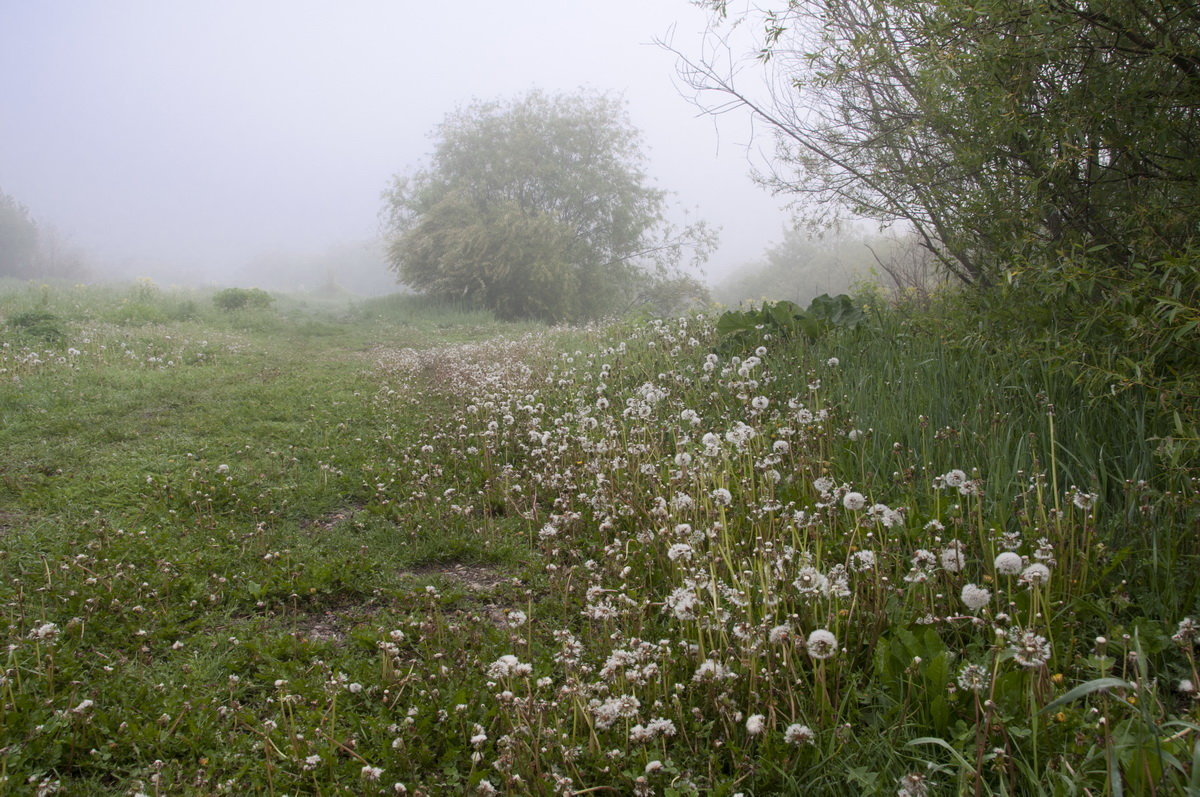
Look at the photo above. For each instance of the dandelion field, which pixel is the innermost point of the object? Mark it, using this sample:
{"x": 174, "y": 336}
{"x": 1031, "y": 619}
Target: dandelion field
{"x": 389, "y": 548}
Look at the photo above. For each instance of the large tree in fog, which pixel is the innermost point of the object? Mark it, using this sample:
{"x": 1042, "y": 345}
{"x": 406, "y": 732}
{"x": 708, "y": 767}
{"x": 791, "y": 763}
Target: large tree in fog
{"x": 534, "y": 208}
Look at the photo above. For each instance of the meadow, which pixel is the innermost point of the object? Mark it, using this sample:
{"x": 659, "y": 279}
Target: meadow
{"x": 391, "y": 547}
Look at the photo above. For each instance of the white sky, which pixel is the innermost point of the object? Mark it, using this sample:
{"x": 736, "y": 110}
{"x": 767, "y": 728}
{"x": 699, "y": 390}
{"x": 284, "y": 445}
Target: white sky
{"x": 201, "y": 134}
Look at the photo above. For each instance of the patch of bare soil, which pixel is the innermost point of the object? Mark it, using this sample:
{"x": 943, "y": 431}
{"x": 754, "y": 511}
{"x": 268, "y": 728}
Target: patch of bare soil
{"x": 333, "y": 625}
{"x": 329, "y": 521}
{"x": 474, "y": 578}
{"x": 482, "y": 583}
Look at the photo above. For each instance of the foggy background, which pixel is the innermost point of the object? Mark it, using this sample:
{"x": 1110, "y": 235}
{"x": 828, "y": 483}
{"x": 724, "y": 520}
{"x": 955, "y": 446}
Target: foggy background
{"x": 247, "y": 142}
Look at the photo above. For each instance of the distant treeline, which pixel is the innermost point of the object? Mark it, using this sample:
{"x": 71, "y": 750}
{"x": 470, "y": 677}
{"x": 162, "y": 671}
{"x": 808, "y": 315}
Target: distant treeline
{"x": 27, "y": 250}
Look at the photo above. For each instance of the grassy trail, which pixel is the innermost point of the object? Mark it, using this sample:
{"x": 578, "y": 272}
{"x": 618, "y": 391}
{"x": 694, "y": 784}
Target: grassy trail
{"x": 400, "y": 549}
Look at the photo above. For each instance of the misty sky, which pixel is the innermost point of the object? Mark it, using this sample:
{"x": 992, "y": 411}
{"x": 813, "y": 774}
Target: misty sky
{"x": 199, "y": 135}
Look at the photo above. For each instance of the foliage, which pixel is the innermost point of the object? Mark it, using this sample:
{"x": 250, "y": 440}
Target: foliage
{"x": 18, "y": 238}
{"x": 29, "y": 250}
{"x": 398, "y": 544}
{"x": 242, "y": 299}
{"x": 38, "y": 324}
{"x": 785, "y": 321}
{"x": 1003, "y": 133}
{"x": 536, "y": 208}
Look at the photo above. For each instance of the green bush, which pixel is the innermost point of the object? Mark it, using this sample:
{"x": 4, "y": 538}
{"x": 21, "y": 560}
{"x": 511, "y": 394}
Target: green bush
{"x": 231, "y": 299}
{"x": 785, "y": 320}
{"x": 38, "y": 324}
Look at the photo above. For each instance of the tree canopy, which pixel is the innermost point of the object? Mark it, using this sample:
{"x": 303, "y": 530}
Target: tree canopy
{"x": 535, "y": 208}
{"x": 1005, "y": 133}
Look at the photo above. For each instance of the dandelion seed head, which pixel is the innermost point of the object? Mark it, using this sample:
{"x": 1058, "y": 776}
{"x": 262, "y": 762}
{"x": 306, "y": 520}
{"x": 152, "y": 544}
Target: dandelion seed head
{"x": 862, "y": 561}
{"x": 975, "y": 597}
{"x": 811, "y": 582}
{"x": 1082, "y": 500}
{"x": 954, "y": 478}
{"x": 951, "y": 557}
{"x": 913, "y": 785}
{"x": 821, "y": 644}
{"x": 973, "y": 678}
{"x": 1035, "y": 575}
{"x": 1009, "y": 563}
{"x": 1187, "y": 632}
{"x": 46, "y": 632}
{"x": 798, "y": 734}
{"x": 680, "y": 550}
{"x": 1029, "y": 648}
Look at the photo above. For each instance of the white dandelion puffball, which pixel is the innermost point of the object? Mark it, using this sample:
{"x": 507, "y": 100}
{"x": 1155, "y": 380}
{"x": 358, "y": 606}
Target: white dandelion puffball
{"x": 862, "y": 561}
{"x": 1030, "y": 649}
{"x": 779, "y": 634}
{"x": 756, "y": 724}
{"x": 680, "y": 550}
{"x": 798, "y": 734}
{"x": 854, "y": 501}
{"x": 975, "y": 596}
{"x": 955, "y": 478}
{"x": 508, "y": 666}
{"x": 1009, "y": 563}
{"x": 1187, "y": 632}
{"x": 952, "y": 557}
{"x": 1036, "y": 574}
{"x": 974, "y": 678}
{"x": 821, "y": 644}
{"x": 46, "y": 631}
{"x": 810, "y": 581}
{"x": 1084, "y": 501}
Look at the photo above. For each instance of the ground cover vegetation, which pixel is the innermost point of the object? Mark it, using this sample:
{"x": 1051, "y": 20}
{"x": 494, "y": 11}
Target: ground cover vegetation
{"x": 388, "y": 547}
{"x": 943, "y": 545}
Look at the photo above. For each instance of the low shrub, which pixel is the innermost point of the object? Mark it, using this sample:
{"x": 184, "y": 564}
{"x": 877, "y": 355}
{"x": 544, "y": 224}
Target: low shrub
{"x": 231, "y": 299}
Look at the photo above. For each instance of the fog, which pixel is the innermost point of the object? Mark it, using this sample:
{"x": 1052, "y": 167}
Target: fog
{"x": 219, "y": 141}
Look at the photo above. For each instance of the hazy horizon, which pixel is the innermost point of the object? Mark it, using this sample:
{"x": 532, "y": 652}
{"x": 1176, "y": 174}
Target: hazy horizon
{"x": 197, "y": 141}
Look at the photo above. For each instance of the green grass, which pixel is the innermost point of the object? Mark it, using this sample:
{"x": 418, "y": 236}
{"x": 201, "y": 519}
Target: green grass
{"x": 282, "y": 547}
